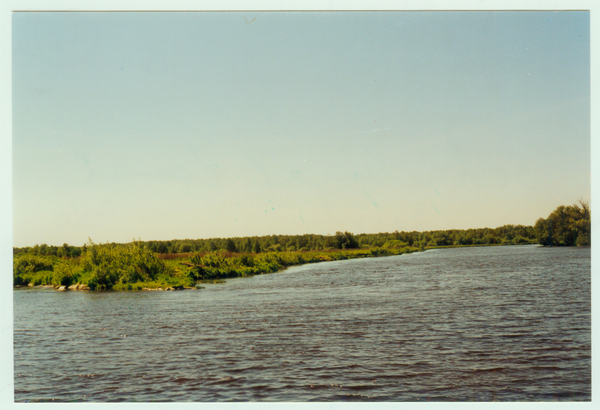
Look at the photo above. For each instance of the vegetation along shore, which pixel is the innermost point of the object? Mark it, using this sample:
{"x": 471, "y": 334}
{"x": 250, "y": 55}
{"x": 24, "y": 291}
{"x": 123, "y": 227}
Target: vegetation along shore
{"x": 185, "y": 264}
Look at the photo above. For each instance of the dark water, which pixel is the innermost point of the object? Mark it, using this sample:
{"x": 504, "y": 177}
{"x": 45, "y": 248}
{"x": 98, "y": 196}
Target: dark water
{"x": 496, "y": 323}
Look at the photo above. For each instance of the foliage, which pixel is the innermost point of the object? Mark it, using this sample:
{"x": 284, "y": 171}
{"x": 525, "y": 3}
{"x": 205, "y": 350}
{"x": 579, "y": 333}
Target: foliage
{"x": 174, "y": 249}
{"x": 189, "y": 261}
{"x": 64, "y": 274}
{"x": 110, "y": 264}
{"x": 565, "y": 226}
{"x": 31, "y": 263}
{"x": 28, "y": 268}
{"x": 43, "y": 277}
{"x": 220, "y": 265}
{"x": 230, "y": 245}
{"x": 345, "y": 240}
{"x": 395, "y": 244}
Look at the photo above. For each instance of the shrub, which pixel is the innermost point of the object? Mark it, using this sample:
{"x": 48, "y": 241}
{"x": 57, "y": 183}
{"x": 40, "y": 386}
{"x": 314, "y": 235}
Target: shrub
{"x": 110, "y": 264}
{"x": 64, "y": 273}
{"x": 28, "y": 263}
{"x": 394, "y": 244}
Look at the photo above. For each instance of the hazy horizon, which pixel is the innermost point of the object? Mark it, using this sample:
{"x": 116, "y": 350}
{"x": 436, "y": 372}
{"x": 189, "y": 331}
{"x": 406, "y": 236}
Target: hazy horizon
{"x": 188, "y": 125}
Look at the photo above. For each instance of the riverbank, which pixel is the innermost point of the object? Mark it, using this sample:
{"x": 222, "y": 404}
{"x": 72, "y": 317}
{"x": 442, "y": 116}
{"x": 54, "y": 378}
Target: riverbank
{"x": 85, "y": 287}
{"x": 135, "y": 268}
{"x": 178, "y": 272}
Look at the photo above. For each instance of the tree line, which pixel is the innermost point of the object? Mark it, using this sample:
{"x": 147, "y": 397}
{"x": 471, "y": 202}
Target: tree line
{"x": 508, "y": 234}
{"x": 566, "y": 226}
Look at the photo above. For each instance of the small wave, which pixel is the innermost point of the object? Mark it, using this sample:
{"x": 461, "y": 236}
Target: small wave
{"x": 223, "y": 380}
{"x": 360, "y": 387}
{"x": 405, "y": 375}
{"x": 246, "y": 330}
{"x": 352, "y": 334}
{"x": 348, "y": 366}
{"x": 349, "y": 397}
{"x": 262, "y": 387}
{"x": 549, "y": 348}
{"x": 573, "y": 395}
{"x": 182, "y": 380}
{"x": 91, "y": 376}
{"x": 546, "y": 368}
{"x": 545, "y": 357}
{"x": 492, "y": 369}
{"x": 250, "y": 368}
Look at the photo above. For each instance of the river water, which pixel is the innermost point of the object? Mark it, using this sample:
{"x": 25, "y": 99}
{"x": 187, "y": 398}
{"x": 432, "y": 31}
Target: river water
{"x": 468, "y": 324}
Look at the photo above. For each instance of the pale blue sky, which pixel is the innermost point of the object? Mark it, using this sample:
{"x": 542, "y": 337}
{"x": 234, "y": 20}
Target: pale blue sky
{"x": 197, "y": 125}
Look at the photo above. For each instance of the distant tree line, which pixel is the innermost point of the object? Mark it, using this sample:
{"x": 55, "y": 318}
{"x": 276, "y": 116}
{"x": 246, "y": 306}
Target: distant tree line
{"x": 504, "y": 235}
{"x": 566, "y": 226}
{"x": 184, "y": 263}
{"x": 65, "y": 250}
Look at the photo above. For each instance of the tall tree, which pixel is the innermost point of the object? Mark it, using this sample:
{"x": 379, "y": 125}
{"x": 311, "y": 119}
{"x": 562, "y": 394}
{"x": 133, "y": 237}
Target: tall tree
{"x": 230, "y": 245}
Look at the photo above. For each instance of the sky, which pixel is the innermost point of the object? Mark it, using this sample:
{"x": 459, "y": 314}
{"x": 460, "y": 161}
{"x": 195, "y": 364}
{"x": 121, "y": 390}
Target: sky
{"x": 179, "y": 125}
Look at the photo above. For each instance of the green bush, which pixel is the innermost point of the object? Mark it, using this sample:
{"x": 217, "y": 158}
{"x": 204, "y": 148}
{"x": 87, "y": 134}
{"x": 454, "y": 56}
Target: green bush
{"x": 110, "y": 264}
{"x": 64, "y": 274}
{"x": 36, "y": 278}
{"x": 19, "y": 280}
{"x": 132, "y": 266}
{"x": 28, "y": 263}
{"x": 394, "y": 244}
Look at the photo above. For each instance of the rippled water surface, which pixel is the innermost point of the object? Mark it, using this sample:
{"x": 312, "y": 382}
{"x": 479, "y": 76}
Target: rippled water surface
{"x": 492, "y": 323}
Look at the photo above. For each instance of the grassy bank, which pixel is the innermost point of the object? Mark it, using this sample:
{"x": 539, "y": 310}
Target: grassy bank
{"x": 135, "y": 267}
